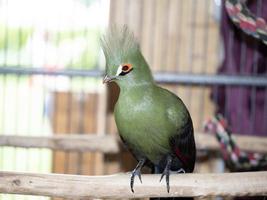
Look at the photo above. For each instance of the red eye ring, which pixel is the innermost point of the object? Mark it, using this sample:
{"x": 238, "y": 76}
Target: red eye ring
{"x": 126, "y": 67}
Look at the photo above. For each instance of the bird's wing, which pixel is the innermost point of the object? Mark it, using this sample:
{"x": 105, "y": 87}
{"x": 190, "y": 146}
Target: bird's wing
{"x": 183, "y": 146}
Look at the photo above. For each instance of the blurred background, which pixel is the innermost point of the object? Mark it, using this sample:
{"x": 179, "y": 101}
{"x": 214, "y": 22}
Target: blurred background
{"x": 51, "y": 68}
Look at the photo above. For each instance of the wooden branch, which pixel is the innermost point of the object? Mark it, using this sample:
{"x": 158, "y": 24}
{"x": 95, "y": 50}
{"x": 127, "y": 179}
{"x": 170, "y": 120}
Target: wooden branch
{"x": 82, "y": 143}
{"x": 247, "y": 143}
{"x": 109, "y": 144}
{"x": 117, "y": 186}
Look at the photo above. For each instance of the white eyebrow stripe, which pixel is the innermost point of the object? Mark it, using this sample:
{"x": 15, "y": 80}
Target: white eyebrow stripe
{"x": 119, "y": 70}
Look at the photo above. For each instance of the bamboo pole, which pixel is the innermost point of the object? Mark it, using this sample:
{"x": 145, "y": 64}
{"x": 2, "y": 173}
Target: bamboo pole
{"x": 117, "y": 186}
{"x": 109, "y": 144}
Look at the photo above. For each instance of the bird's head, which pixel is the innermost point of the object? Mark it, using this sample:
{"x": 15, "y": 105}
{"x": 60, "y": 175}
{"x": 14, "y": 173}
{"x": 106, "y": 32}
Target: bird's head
{"x": 125, "y": 63}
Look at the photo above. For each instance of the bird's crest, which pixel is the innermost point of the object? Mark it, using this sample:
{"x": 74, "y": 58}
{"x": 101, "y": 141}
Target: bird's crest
{"x": 118, "y": 42}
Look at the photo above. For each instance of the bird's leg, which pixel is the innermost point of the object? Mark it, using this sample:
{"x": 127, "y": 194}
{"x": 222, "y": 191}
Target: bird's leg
{"x": 166, "y": 172}
{"x": 137, "y": 171}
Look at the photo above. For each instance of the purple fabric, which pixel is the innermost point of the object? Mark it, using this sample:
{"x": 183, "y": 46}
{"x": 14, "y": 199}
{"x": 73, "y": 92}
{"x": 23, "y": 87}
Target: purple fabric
{"x": 244, "y": 108}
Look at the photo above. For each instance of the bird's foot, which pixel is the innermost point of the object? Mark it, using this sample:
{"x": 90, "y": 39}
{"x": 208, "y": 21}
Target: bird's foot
{"x": 166, "y": 173}
{"x": 137, "y": 172}
{"x": 181, "y": 171}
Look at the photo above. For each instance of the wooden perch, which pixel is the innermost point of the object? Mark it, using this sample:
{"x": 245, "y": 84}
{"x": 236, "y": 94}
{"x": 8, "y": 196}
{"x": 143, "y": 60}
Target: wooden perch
{"x": 247, "y": 143}
{"x": 109, "y": 144}
{"x": 82, "y": 143}
{"x": 117, "y": 186}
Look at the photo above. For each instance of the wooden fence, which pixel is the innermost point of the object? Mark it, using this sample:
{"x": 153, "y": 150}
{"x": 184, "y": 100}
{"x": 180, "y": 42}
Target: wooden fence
{"x": 109, "y": 144}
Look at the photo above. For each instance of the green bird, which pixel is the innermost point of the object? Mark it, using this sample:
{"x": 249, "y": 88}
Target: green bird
{"x": 153, "y": 122}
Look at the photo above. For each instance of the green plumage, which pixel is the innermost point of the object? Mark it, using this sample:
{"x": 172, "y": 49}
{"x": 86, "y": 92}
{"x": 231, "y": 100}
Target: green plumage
{"x": 153, "y": 122}
{"x": 147, "y": 117}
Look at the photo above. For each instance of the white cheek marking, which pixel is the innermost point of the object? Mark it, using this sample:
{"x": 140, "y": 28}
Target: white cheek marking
{"x": 119, "y": 70}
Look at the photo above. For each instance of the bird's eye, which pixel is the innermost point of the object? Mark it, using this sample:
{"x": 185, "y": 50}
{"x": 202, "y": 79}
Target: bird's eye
{"x": 126, "y": 68}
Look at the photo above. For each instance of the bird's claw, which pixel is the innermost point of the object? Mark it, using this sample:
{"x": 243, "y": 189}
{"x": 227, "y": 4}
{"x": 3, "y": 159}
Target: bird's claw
{"x": 135, "y": 173}
{"x": 166, "y": 173}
